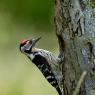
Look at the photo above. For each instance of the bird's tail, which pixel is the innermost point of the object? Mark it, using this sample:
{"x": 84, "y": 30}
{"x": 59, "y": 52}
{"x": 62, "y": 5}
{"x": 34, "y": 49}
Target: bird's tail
{"x": 59, "y": 91}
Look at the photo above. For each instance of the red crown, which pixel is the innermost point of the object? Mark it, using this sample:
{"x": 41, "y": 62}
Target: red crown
{"x": 24, "y": 41}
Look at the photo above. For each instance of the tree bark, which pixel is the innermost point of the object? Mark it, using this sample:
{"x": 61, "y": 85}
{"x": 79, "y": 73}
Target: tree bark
{"x": 74, "y": 24}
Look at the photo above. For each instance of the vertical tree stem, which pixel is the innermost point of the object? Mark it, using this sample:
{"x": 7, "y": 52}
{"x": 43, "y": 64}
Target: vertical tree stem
{"x": 82, "y": 77}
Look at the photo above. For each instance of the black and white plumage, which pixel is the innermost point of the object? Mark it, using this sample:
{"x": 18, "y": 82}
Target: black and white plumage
{"x": 44, "y": 60}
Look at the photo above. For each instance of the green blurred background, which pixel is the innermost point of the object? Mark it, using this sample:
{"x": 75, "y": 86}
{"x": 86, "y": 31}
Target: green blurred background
{"x": 21, "y": 19}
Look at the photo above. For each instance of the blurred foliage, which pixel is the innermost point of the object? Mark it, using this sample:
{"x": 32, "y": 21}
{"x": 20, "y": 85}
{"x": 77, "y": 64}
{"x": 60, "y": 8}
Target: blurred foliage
{"x": 21, "y": 19}
{"x": 36, "y": 12}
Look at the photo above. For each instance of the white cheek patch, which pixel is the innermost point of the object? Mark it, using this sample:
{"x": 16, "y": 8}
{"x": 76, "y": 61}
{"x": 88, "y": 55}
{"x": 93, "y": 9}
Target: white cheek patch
{"x": 32, "y": 56}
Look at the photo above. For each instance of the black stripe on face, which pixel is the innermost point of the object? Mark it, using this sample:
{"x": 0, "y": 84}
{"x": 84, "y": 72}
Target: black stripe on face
{"x": 28, "y": 51}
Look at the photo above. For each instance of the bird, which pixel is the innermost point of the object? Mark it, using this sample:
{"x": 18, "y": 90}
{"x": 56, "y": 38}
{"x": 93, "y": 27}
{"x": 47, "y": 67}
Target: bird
{"x": 44, "y": 60}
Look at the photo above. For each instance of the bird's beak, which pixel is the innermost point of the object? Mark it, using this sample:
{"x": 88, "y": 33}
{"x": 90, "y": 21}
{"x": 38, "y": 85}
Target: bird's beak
{"x": 34, "y": 41}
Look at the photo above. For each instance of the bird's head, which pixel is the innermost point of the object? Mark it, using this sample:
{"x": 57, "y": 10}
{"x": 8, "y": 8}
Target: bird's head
{"x": 27, "y": 45}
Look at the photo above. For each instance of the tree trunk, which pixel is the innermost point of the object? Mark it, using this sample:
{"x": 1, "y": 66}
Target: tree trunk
{"x": 74, "y": 23}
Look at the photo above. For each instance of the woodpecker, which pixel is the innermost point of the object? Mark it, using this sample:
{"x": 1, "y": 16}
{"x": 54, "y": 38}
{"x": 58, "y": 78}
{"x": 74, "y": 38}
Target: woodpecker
{"x": 46, "y": 62}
